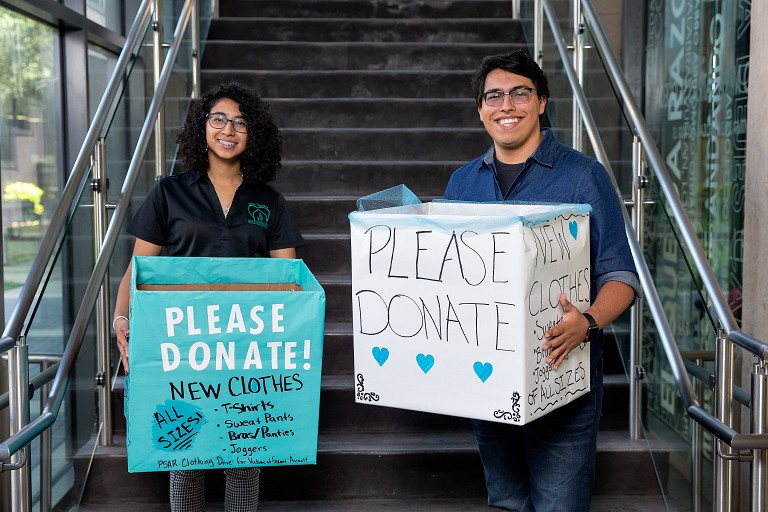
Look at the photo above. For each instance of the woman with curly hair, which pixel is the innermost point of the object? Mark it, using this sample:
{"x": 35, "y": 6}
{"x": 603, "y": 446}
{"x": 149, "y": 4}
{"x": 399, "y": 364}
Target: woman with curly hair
{"x": 221, "y": 206}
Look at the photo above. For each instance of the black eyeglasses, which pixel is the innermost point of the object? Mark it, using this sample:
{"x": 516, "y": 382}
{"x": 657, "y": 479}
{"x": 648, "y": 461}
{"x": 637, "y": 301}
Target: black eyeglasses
{"x": 218, "y": 121}
{"x": 519, "y": 95}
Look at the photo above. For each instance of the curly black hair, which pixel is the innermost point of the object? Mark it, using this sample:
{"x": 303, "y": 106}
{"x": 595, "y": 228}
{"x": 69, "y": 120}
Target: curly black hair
{"x": 260, "y": 160}
{"x": 517, "y": 62}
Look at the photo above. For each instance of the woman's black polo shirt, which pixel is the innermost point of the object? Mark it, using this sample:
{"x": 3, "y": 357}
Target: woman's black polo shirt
{"x": 182, "y": 214}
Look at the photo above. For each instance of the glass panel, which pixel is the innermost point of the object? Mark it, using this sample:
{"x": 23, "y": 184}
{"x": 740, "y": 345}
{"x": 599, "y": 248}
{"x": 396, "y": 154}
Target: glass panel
{"x": 603, "y": 100}
{"x": 101, "y": 64}
{"x": 206, "y": 15}
{"x": 46, "y": 335}
{"x": 126, "y": 123}
{"x": 121, "y": 140}
{"x": 672, "y": 436}
{"x": 558, "y": 114}
{"x": 30, "y": 151}
{"x": 696, "y": 104}
{"x": 179, "y": 92}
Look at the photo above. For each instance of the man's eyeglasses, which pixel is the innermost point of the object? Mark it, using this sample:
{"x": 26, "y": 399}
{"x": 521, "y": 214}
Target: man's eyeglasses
{"x": 219, "y": 121}
{"x": 519, "y": 95}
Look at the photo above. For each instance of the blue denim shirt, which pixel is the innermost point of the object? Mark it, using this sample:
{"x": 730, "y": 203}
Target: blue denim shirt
{"x": 556, "y": 173}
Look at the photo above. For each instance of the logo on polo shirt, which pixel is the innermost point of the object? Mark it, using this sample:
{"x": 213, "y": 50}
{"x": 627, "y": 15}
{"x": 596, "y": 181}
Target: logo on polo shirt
{"x": 259, "y": 214}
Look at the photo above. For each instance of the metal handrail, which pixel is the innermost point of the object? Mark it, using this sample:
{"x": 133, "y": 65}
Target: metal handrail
{"x": 48, "y": 417}
{"x": 75, "y": 183}
{"x": 757, "y": 347}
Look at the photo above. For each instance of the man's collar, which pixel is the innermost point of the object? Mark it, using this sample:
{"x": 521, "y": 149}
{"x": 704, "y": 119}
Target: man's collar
{"x": 488, "y": 158}
{"x": 544, "y": 154}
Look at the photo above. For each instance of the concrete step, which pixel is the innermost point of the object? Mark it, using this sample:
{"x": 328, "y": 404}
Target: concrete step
{"x": 388, "y": 30}
{"x": 385, "y": 144}
{"x": 322, "y": 215}
{"x": 292, "y": 55}
{"x": 338, "y": 296}
{"x": 398, "y": 144}
{"x": 443, "y": 466}
{"x": 375, "y": 112}
{"x": 359, "y": 178}
{"x": 395, "y": 112}
{"x": 341, "y": 83}
{"x": 367, "y": 8}
{"x": 327, "y": 253}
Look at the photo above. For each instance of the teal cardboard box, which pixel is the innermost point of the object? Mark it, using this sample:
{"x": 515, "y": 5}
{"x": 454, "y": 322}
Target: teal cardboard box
{"x": 225, "y": 363}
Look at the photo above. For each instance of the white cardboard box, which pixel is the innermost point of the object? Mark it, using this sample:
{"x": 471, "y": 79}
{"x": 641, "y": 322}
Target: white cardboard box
{"x": 450, "y": 302}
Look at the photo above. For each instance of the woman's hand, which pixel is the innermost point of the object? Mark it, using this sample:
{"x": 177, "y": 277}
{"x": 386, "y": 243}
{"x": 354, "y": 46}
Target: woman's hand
{"x": 122, "y": 331}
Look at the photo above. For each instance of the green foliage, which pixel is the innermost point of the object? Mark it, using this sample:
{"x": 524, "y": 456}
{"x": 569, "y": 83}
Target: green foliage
{"x": 25, "y": 48}
{"x": 22, "y": 191}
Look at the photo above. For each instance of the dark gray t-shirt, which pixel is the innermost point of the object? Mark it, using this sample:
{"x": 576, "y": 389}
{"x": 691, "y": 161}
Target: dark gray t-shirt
{"x": 506, "y": 174}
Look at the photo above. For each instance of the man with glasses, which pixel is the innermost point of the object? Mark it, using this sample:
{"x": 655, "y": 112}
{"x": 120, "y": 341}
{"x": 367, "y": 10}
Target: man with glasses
{"x": 548, "y": 464}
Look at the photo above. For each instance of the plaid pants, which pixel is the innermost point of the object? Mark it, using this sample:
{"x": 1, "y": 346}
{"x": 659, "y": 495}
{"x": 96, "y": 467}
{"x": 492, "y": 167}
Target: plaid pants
{"x": 187, "y": 490}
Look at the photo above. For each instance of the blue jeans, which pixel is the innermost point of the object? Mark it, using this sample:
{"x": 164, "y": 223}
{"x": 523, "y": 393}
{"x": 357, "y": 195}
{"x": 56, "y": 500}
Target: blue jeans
{"x": 547, "y": 465}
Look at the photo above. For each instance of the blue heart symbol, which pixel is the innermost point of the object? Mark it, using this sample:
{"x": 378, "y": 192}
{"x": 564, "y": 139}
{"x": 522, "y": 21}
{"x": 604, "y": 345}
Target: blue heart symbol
{"x": 483, "y": 370}
{"x": 574, "y": 228}
{"x": 425, "y": 362}
{"x": 380, "y": 355}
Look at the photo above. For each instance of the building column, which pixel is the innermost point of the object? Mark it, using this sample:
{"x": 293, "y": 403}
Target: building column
{"x": 755, "y": 278}
{"x": 755, "y": 299}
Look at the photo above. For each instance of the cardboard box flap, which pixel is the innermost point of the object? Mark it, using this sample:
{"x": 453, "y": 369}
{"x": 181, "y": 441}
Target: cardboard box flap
{"x": 466, "y": 214}
{"x": 221, "y": 287}
{"x": 164, "y": 270}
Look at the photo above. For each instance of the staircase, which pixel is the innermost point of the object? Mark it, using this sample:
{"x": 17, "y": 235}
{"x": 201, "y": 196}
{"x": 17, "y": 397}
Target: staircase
{"x": 369, "y": 94}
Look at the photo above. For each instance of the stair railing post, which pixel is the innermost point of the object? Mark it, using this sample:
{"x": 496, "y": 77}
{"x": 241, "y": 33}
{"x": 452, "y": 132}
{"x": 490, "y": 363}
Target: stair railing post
{"x": 759, "y": 426}
{"x": 578, "y": 65}
{"x": 46, "y": 450}
{"x": 697, "y": 442}
{"x": 158, "y": 55}
{"x": 196, "y": 54}
{"x": 538, "y": 33}
{"x": 18, "y": 402}
{"x": 99, "y": 186}
{"x": 723, "y": 481}
{"x": 637, "y": 373}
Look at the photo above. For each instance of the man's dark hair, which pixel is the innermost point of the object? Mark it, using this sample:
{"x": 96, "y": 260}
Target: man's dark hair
{"x": 517, "y": 62}
{"x": 261, "y": 158}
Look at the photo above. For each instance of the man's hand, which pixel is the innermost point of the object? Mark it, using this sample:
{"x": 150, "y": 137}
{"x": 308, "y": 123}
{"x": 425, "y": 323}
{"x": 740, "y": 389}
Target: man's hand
{"x": 566, "y": 335}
